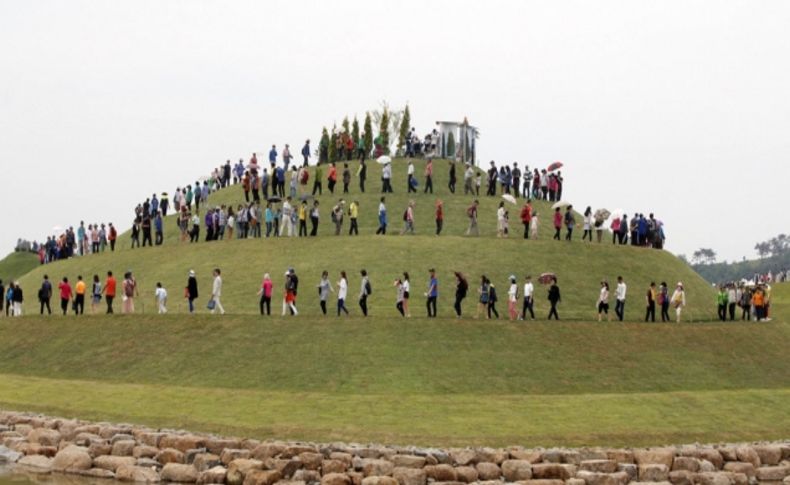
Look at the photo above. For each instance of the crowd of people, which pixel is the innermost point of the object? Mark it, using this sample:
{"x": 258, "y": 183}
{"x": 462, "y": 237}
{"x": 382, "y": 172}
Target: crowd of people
{"x": 753, "y": 301}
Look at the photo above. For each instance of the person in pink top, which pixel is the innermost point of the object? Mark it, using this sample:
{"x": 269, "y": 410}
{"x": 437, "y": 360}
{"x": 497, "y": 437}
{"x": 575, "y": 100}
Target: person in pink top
{"x": 615, "y": 227}
{"x": 266, "y": 294}
{"x": 557, "y": 223}
{"x": 428, "y": 177}
{"x": 65, "y": 295}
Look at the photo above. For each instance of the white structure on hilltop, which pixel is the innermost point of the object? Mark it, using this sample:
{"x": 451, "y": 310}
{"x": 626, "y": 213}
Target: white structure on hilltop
{"x": 458, "y": 141}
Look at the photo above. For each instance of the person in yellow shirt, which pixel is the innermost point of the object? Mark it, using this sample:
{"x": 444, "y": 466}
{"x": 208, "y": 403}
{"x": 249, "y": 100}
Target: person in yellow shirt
{"x": 303, "y": 219}
{"x": 79, "y": 296}
{"x": 353, "y": 213}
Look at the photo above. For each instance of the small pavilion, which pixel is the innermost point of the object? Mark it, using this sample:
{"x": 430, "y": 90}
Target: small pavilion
{"x": 458, "y": 140}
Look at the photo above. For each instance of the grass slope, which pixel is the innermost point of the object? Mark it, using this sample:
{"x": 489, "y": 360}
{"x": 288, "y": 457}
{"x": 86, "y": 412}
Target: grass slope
{"x": 16, "y": 265}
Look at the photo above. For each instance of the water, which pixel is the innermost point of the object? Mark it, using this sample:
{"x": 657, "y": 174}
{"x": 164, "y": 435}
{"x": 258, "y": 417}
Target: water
{"x": 9, "y": 476}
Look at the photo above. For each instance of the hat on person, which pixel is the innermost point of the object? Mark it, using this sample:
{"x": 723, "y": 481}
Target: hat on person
{"x": 191, "y": 273}
{"x": 680, "y": 283}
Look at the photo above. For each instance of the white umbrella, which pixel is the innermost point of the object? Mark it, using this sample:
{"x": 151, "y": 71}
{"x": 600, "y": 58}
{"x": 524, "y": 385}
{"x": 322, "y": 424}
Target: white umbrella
{"x": 57, "y": 229}
{"x": 384, "y": 159}
{"x": 561, "y": 204}
{"x": 617, "y": 212}
{"x": 509, "y": 198}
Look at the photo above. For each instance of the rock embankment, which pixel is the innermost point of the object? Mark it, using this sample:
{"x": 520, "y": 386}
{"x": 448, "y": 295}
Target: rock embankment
{"x": 40, "y": 444}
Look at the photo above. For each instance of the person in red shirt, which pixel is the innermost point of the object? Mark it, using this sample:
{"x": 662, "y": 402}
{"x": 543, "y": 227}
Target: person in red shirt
{"x": 332, "y": 178}
{"x": 526, "y": 217}
{"x": 439, "y": 216}
{"x": 557, "y": 223}
{"x": 109, "y": 291}
{"x": 65, "y": 295}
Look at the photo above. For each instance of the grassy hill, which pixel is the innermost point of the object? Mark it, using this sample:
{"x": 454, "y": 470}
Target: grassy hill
{"x": 579, "y": 266}
{"x": 407, "y": 381}
{"x": 16, "y": 265}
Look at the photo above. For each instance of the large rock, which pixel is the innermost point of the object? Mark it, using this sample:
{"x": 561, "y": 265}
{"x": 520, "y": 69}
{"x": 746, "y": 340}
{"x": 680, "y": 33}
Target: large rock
{"x": 347, "y": 458}
{"x": 72, "y": 458}
{"x": 681, "y": 477}
{"x": 9, "y": 456}
{"x": 36, "y": 463}
{"x": 144, "y": 451}
{"x": 175, "y": 472}
{"x": 553, "y": 471}
{"x": 488, "y": 471}
{"x": 230, "y": 454}
{"x": 262, "y": 477}
{"x": 169, "y": 455}
{"x": 379, "y": 481}
{"x": 466, "y": 474}
{"x": 688, "y": 463}
{"x": 620, "y": 456}
{"x": 182, "y": 443}
{"x": 409, "y": 476}
{"x": 123, "y": 448}
{"x": 128, "y": 473}
{"x": 121, "y": 437}
{"x": 50, "y": 437}
{"x": 740, "y": 467}
{"x": 515, "y": 470}
{"x": 464, "y": 457}
{"x": 653, "y": 473}
{"x": 151, "y": 438}
{"x": 238, "y": 469}
{"x": 593, "y": 478}
{"x": 714, "y": 478}
{"x": 218, "y": 445}
{"x": 443, "y": 473}
{"x": 204, "y": 461}
{"x": 214, "y": 475}
{"x": 531, "y": 456}
{"x": 311, "y": 460}
{"x": 288, "y": 467}
{"x": 772, "y": 473}
{"x": 599, "y": 466}
{"x": 408, "y": 461}
{"x": 112, "y": 463}
{"x": 99, "y": 447}
{"x": 335, "y": 479}
{"x": 267, "y": 450}
{"x": 710, "y": 454}
{"x": 377, "y": 468}
{"x": 548, "y": 481}
{"x": 296, "y": 450}
{"x": 333, "y": 466}
{"x": 769, "y": 454}
{"x": 747, "y": 453}
{"x": 655, "y": 456}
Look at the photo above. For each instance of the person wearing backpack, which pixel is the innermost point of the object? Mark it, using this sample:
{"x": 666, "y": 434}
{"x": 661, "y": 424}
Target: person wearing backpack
{"x": 461, "y": 289}
{"x": 364, "y": 291}
{"x": 408, "y": 219}
{"x": 129, "y": 292}
{"x": 44, "y": 295}
{"x": 554, "y": 299}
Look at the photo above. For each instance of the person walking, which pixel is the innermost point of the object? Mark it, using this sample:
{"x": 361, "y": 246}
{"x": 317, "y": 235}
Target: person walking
{"x": 386, "y": 179}
{"x": 410, "y": 181}
{"x": 526, "y": 217}
{"x": 533, "y": 226}
{"x": 331, "y": 178}
{"x": 483, "y": 294}
{"x": 318, "y": 180}
{"x": 365, "y": 290}
{"x": 557, "y": 224}
{"x": 722, "y": 301}
{"x": 303, "y": 219}
{"x": 291, "y": 290}
{"x": 346, "y": 178}
{"x": 286, "y": 225}
{"x": 382, "y": 218}
{"x": 732, "y": 300}
{"x": 452, "y": 178}
{"x": 18, "y": 299}
{"x": 650, "y": 300}
{"x": 428, "y": 177}
{"x": 65, "y": 295}
{"x": 554, "y": 298}
{"x": 109, "y": 290}
{"x": 501, "y": 220}
{"x": 663, "y": 301}
{"x": 570, "y": 223}
{"x": 620, "y": 293}
{"x": 746, "y": 305}
{"x": 492, "y": 299}
{"x": 96, "y": 293}
{"x": 342, "y": 292}
{"x": 130, "y": 291}
{"x": 406, "y": 293}
{"x": 324, "y": 289}
{"x": 471, "y": 213}
{"x": 512, "y": 298}
{"x": 45, "y": 295}
{"x": 337, "y": 216}
{"x": 79, "y": 296}
{"x": 461, "y": 289}
{"x": 399, "y": 296}
{"x": 216, "y": 292}
{"x": 353, "y": 214}
{"x": 191, "y": 291}
{"x": 603, "y": 302}
{"x": 529, "y": 300}
{"x": 439, "y": 216}
{"x": 432, "y": 294}
{"x": 160, "y": 295}
{"x": 265, "y": 292}
{"x": 408, "y": 219}
{"x": 679, "y": 301}
{"x": 362, "y": 175}
{"x": 588, "y": 223}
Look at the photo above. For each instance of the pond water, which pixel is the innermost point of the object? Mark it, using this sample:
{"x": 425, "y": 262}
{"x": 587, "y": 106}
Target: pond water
{"x": 9, "y": 476}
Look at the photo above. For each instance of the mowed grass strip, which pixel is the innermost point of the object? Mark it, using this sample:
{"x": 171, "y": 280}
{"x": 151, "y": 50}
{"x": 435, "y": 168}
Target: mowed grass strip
{"x": 459, "y": 420}
{"x": 398, "y": 356}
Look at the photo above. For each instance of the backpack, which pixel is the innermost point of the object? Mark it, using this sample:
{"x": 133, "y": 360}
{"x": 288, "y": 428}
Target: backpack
{"x": 334, "y": 214}
{"x": 368, "y": 288}
{"x": 470, "y": 211}
{"x": 305, "y": 176}
{"x": 492, "y": 294}
{"x": 406, "y": 215}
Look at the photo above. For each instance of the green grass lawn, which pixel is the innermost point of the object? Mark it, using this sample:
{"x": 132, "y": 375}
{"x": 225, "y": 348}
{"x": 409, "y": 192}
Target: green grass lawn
{"x": 16, "y": 265}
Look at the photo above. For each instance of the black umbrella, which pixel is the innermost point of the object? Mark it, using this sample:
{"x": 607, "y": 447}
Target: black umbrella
{"x": 274, "y": 200}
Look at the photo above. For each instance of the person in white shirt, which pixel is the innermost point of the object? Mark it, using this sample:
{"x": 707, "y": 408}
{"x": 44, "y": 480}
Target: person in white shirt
{"x": 386, "y": 179}
{"x": 733, "y": 298}
{"x": 469, "y": 176}
{"x": 161, "y": 298}
{"x": 286, "y": 223}
{"x": 512, "y": 298}
{"x": 529, "y": 290}
{"x": 406, "y": 290}
{"x": 410, "y": 180}
{"x": 342, "y": 292}
{"x": 619, "y": 308}
{"x": 501, "y": 221}
{"x": 533, "y": 226}
{"x": 216, "y": 292}
{"x": 603, "y": 302}
{"x": 678, "y": 300}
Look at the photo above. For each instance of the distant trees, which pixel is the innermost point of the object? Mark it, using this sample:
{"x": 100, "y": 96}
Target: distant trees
{"x": 704, "y": 256}
{"x": 775, "y": 246}
{"x": 405, "y": 125}
{"x": 391, "y": 126}
{"x": 367, "y": 136}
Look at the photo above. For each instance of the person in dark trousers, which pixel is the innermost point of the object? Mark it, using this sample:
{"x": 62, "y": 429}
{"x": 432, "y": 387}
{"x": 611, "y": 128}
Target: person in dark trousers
{"x": 314, "y": 216}
{"x": 306, "y": 152}
{"x": 452, "y": 180}
{"x": 192, "y": 291}
{"x": 146, "y": 226}
{"x": 620, "y": 293}
{"x": 432, "y": 294}
{"x": 461, "y": 288}
{"x": 109, "y": 289}
{"x": 363, "y": 175}
{"x": 570, "y": 223}
{"x": 650, "y": 299}
{"x": 492, "y": 299}
{"x": 79, "y": 296}
{"x": 663, "y": 301}
{"x": 529, "y": 300}
{"x": 554, "y": 298}
{"x": 45, "y": 294}
{"x": 364, "y": 292}
{"x": 2, "y": 297}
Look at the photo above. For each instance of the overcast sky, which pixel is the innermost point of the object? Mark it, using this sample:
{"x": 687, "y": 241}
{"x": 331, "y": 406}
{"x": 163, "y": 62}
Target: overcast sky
{"x": 681, "y": 108}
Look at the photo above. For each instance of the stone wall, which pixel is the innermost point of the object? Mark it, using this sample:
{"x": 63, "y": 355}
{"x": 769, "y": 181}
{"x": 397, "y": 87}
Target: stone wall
{"x": 40, "y": 444}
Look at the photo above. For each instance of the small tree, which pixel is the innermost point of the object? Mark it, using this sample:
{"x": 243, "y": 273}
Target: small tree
{"x": 763, "y": 249}
{"x": 346, "y": 126}
{"x": 704, "y": 256}
{"x": 333, "y": 145}
{"x": 403, "y": 132}
{"x": 323, "y": 147}
{"x": 355, "y": 130}
{"x": 368, "y": 135}
{"x": 451, "y": 146}
{"x": 384, "y": 132}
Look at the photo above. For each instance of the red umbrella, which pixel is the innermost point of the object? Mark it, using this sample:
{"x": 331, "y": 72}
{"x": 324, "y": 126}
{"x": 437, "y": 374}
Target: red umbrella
{"x": 554, "y": 166}
{"x": 546, "y": 278}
